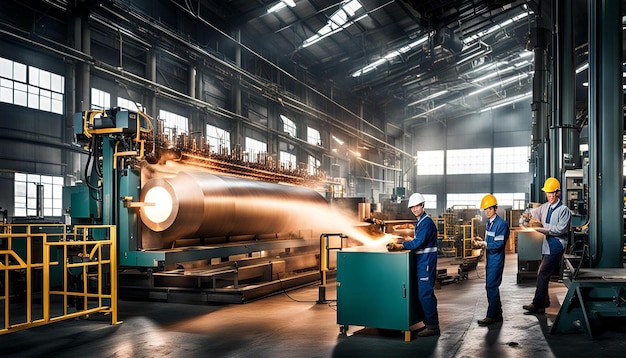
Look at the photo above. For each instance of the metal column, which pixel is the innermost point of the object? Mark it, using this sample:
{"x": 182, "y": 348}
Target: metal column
{"x": 565, "y": 143}
{"x": 606, "y": 129}
{"x": 540, "y": 116}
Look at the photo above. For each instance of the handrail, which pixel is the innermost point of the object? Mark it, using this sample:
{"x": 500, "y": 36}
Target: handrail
{"x": 38, "y": 260}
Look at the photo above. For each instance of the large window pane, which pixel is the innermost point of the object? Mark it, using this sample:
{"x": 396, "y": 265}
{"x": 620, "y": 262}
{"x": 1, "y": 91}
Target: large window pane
{"x": 100, "y": 99}
{"x": 33, "y": 76}
{"x": 6, "y": 90}
{"x": 218, "y": 139}
{"x": 33, "y": 97}
{"x": 256, "y": 149}
{"x": 58, "y": 83}
{"x": 19, "y": 72}
{"x": 289, "y": 126}
{"x": 514, "y": 200}
{"x": 42, "y": 90}
{"x": 464, "y": 200}
{"x": 128, "y": 104}
{"x": 430, "y": 162}
{"x": 431, "y": 201}
{"x": 511, "y": 159}
{"x": 6, "y": 68}
{"x": 314, "y": 165}
{"x": 468, "y": 161}
{"x": 287, "y": 161}
{"x": 313, "y": 136}
{"x": 25, "y": 190}
{"x": 173, "y": 124}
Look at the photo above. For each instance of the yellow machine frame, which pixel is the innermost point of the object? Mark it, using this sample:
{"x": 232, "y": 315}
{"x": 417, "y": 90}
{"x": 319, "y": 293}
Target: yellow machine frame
{"x": 50, "y": 310}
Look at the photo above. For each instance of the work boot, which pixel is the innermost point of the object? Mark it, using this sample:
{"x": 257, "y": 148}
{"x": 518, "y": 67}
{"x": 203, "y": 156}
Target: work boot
{"x": 532, "y": 309}
{"x": 488, "y": 320}
{"x": 429, "y": 331}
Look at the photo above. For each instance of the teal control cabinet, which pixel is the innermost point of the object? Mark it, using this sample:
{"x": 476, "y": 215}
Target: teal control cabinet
{"x": 376, "y": 288}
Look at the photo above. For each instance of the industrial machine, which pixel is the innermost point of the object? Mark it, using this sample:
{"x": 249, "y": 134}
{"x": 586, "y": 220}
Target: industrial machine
{"x": 376, "y": 288}
{"x": 529, "y": 244}
{"x": 593, "y": 273}
{"x": 192, "y": 225}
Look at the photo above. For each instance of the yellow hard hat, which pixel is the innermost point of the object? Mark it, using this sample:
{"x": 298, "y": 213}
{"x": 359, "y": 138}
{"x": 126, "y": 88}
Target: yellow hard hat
{"x": 488, "y": 201}
{"x": 551, "y": 185}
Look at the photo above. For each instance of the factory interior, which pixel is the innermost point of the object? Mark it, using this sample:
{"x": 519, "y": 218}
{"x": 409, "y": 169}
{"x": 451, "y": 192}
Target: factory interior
{"x": 223, "y": 178}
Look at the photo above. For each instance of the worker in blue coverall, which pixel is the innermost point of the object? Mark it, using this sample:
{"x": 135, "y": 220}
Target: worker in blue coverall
{"x": 496, "y": 235}
{"x": 424, "y": 245}
{"x": 555, "y": 219}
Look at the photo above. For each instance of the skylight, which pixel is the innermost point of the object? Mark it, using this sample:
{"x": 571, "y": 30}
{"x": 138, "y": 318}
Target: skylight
{"x": 341, "y": 19}
{"x": 281, "y": 4}
{"x": 390, "y": 55}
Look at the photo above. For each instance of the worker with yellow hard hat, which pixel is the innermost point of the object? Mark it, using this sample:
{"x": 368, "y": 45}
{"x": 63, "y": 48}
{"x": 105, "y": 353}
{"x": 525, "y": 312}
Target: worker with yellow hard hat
{"x": 555, "y": 218}
{"x": 496, "y": 235}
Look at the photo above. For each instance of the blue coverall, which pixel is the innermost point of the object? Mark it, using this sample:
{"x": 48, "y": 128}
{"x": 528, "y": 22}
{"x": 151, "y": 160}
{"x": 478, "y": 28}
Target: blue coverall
{"x": 496, "y": 235}
{"x": 424, "y": 245}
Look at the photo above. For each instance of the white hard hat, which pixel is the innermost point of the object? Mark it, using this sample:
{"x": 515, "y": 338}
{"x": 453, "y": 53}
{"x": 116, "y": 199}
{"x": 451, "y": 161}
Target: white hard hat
{"x": 415, "y": 199}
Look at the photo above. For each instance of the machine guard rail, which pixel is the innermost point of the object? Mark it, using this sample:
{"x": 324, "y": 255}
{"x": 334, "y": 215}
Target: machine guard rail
{"x": 31, "y": 255}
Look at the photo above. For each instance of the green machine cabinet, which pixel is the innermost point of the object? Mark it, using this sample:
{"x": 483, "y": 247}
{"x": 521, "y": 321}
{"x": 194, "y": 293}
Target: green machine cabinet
{"x": 376, "y": 288}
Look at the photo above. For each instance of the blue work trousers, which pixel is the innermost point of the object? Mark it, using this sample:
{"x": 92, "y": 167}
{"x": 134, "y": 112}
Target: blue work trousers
{"x": 428, "y": 301}
{"x": 492, "y": 285}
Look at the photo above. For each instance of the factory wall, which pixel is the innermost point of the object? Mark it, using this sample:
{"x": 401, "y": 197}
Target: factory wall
{"x": 502, "y": 127}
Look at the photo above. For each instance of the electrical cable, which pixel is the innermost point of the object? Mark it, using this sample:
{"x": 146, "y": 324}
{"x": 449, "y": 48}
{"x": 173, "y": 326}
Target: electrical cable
{"x": 286, "y": 294}
{"x": 296, "y": 300}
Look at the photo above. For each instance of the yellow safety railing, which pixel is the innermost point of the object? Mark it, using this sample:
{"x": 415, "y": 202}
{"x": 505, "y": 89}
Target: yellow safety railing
{"x": 86, "y": 270}
{"x": 325, "y": 249}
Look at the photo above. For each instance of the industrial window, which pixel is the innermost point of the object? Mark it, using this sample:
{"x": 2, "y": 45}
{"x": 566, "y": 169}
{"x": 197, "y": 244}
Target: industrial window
{"x": 256, "y": 150}
{"x": 314, "y": 165}
{"x": 173, "y": 124}
{"x": 287, "y": 160}
{"x": 25, "y": 200}
{"x": 511, "y": 159}
{"x": 130, "y": 105}
{"x": 430, "y": 201}
{"x": 100, "y": 99}
{"x": 289, "y": 126}
{"x": 313, "y": 136}
{"x": 31, "y": 87}
{"x": 218, "y": 139}
{"x": 430, "y": 162}
{"x": 515, "y": 200}
{"x": 468, "y": 161}
{"x": 466, "y": 200}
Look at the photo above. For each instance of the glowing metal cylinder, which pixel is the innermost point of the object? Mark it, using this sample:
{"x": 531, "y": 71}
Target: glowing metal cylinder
{"x": 204, "y": 205}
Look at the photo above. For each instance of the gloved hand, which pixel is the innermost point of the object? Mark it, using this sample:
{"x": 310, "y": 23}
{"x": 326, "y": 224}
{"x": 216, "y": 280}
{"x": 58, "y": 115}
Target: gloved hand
{"x": 479, "y": 244}
{"x": 392, "y": 246}
{"x": 524, "y": 219}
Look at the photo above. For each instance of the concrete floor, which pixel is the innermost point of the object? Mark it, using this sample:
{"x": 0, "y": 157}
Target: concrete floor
{"x": 293, "y": 325}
